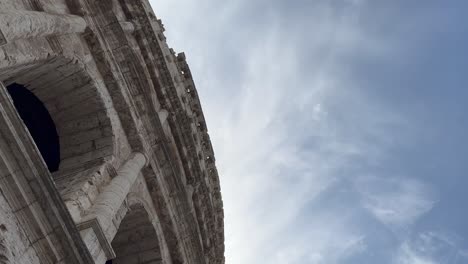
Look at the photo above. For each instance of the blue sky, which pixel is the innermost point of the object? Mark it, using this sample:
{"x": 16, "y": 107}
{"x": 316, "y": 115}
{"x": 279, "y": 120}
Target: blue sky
{"x": 339, "y": 126}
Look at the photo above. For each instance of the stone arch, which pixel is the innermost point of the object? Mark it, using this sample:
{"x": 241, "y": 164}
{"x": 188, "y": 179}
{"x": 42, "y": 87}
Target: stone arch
{"x": 136, "y": 240}
{"x": 82, "y": 115}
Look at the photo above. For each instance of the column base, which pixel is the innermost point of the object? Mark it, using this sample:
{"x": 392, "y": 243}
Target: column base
{"x": 96, "y": 241}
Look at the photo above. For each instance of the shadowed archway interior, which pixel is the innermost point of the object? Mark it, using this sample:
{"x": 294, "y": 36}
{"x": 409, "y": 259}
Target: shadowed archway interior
{"x": 39, "y": 123}
{"x": 136, "y": 241}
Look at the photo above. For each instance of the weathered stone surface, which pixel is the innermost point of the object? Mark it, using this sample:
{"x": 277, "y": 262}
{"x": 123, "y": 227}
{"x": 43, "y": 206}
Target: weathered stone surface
{"x": 137, "y": 174}
{"x": 21, "y": 24}
{"x": 2, "y": 38}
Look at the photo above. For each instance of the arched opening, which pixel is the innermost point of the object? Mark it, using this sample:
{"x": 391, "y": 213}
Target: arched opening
{"x": 39, "y": 123}
{"x": 83, "y": 116}
{"x": 136, "y": 241}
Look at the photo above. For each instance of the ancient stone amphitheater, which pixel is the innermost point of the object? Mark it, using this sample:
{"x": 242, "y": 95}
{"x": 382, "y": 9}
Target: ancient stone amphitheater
{"x": 104, "y": 150}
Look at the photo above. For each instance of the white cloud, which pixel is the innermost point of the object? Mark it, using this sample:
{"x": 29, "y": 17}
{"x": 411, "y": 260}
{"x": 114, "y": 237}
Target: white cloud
{"x": 430, "y": 247}
{"x": 285, "y": 135}
{"x": 323, "y": 243}
{"x": 396, "y": 202}
{"x": 407, "y": 255}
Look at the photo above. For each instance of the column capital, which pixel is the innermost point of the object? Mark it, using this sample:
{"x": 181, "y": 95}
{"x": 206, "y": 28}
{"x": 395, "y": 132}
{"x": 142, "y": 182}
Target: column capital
{"x": 140, "y": 155}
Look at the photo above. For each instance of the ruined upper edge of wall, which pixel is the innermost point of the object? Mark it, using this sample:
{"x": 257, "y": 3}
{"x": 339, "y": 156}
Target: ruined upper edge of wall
{"x": 196, "y": 147}
{"x": 186, "y": 126}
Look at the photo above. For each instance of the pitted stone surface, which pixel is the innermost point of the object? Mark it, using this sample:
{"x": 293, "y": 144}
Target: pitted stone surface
{"x": 113, "y": 87}
{"x": 21, "y": 24}
{"x": 2, "y": 38}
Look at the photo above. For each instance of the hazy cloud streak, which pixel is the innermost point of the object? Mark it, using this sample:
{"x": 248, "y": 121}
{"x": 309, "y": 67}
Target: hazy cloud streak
{"x": 292, "y": 125}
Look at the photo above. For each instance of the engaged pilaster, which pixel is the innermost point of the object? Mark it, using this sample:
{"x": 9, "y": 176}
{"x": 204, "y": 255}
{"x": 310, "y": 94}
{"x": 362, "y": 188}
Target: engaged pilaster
{"x": 97, "y": 227}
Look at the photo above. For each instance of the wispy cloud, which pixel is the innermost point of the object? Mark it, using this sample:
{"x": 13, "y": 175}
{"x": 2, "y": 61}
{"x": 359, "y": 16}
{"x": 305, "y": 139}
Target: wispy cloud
{"x": 274, "y": 108}
{"x": 407, "y": 255}
{"x": 292, "y": 125}
{"x": 430, "y": 248}
{"x": 396, "y": 202}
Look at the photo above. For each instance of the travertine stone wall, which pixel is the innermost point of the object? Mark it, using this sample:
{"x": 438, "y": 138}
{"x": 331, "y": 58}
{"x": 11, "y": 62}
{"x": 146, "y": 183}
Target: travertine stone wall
{"x": 21, "y": 24}
{"x": 118, "y": 95}
{"x": 14, "y": 244}
{"x": 35, "y": 217}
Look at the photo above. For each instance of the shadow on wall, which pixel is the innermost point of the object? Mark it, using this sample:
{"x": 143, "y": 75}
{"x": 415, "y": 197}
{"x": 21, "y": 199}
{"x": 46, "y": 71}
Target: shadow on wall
{"x": 39, "y": 123}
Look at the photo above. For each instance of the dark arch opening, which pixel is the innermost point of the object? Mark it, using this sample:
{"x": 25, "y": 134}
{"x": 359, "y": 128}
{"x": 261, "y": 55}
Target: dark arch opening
{"x": 39, "y": 123}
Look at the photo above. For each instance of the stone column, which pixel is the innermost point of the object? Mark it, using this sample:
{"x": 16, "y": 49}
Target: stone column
{"x": 97, "y": 227}
{"x": 20, "y": 24}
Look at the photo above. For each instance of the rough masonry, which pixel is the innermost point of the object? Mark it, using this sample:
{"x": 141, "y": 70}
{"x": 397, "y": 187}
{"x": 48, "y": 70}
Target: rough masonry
{"x": 104, "y": 151}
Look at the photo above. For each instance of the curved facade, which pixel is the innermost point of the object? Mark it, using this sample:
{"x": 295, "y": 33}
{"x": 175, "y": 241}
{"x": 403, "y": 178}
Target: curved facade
{"x": 136, "y": 180}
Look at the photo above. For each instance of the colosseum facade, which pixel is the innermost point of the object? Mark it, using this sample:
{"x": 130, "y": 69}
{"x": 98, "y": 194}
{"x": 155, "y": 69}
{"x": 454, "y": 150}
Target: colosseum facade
{"x": 104, "y": 151}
